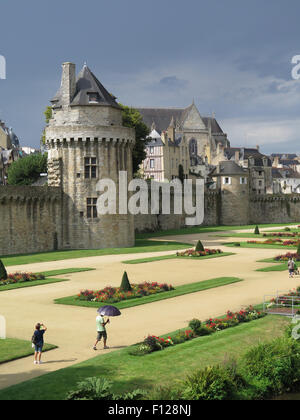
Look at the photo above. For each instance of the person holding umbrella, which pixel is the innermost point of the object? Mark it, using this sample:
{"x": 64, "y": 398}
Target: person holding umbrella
{"x": 101, "y": 330}
{"x": 101, "y": 324}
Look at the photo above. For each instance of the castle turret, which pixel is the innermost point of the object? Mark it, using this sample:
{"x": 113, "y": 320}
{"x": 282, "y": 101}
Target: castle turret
{"x": 87, "y": 142}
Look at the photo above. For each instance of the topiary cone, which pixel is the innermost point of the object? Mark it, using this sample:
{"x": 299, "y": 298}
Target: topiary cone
{"x": 3, "y": 272}
{"x": 298, "y": 249}
{"x": 125, "y": 285}
{"x": 199, "y": 246}
{"x": 256, "y": 231}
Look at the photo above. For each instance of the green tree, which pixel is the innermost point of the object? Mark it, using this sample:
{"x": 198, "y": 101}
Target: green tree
{"x": 133, "y": 119}
{"x": 199, "y": 246}
{"x": 48, "y": 116}
{"x": 298, "y": 249}
{"x": 256, "y": 232}
{"x": 3, "y": 272}
{"x": 125, "y": 285}
{"x": 27, "y": 170}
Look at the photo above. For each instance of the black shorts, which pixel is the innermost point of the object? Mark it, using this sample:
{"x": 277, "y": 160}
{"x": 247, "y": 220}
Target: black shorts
{"x": 101, "y": 334}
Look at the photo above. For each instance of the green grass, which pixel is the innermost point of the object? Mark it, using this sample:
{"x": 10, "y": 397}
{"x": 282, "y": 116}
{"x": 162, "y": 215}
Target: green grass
{"x": 30, "y": 284}
{"x": 47, "y": 274}
{"x": 173, "y": 257}
{"x": 277, "y": 265}
{"x": 179, "y": 291}
{"x": 266, "y": 246}
{"x": 252, "y": 236}
{"x": 159, "y": 368}
{"x": 52, "y": 273}
{"x": 12, "y": 349}
{"x": 203, "y": 229}
{"x": 140, "y": 247}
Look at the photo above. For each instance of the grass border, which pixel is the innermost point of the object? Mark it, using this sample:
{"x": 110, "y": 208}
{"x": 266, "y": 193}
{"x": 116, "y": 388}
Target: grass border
{"x": 174, "y": 257}
{"x": 179, "y": 291}
{"x": 46, "y": 280}
{"x": 27, "y": 353}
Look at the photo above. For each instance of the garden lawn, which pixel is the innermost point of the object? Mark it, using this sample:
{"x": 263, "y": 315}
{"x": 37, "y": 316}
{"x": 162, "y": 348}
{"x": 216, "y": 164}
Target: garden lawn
{"x": 155, "y": 369}
{"x": 201, "y": 229}
{"x": 47, "y": 274}
{"x": 278, "y": 266}
{"x": 173, "y": 257}
{"x": 179, "y": 291}
{"x": 12, "y": 349}
{"x": 253, "y": 236}
{"x": 140, "y": 247}
{"x": 267, "y": 246}
{"x": 30, "y": 284}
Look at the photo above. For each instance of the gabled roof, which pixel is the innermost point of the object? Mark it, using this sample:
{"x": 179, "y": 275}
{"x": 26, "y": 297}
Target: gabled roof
{"x": 162, "y": 117}
{"x": 228, "y": 167}
{"x": 87, "y": 83}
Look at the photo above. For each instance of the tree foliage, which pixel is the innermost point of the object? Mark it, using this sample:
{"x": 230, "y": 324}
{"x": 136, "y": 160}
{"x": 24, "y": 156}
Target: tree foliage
{"x": 27, "y": 170}
{"x": 3, "y": 272}
{"x": 133, "y": 119}
{"x": 125, "y": 285}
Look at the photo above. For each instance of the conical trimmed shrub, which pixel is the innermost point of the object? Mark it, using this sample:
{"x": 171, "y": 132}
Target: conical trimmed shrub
{"x": 125, "y": 285}
{"x": 199, "y": 246}
{"x": 298, "y": 249}
{"x": 3, "y": 272}
{"x": 256, "y": 231}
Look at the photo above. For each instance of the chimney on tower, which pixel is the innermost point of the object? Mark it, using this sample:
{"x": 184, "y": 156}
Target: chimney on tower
{"x": 68, "y": 83}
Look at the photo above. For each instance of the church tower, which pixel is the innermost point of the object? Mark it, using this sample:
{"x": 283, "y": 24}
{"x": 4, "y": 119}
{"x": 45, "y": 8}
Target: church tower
{"x": 86, "y": 142}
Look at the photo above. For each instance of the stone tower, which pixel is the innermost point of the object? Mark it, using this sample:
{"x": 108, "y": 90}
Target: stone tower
{"x": 86, "y": 142}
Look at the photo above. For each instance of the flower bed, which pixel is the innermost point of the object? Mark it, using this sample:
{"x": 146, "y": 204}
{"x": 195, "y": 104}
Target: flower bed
{"x": 287, "y": 256}
{"x": 285, "y": 300}
{"x": 281, "y": 235}
{"x": 193, "y": 253}
{"x": 276, "y": 242}
{"x": 114, "y": 294}
{"x": 21, "y": 278}
{"x": 197, "y": 329}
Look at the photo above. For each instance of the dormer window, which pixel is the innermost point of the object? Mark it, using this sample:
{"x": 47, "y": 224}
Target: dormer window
{"x": 94, "y": 98}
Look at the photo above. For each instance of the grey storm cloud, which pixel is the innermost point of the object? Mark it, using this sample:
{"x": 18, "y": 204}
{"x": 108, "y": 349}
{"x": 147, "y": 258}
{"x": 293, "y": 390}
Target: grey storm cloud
{"x": 173, "y": 82}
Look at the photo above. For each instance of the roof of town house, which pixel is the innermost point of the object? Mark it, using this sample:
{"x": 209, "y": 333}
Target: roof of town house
{"x": 276, "y": 173}
{"x": 247, "y": 153}
{"x": 289, "y": 173}
{"x": 228, "y": 167}
{"x": 284, "y": 155}
{"x": 87, "y": 83}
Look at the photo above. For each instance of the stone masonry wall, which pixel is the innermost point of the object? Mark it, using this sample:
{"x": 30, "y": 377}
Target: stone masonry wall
{"x": 29, "y": 219}
{"x": 153, "y": 223}
{"x": 281, "y": 208}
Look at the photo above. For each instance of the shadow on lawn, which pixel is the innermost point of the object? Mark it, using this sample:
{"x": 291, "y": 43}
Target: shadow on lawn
{"x": 56, "y": 385}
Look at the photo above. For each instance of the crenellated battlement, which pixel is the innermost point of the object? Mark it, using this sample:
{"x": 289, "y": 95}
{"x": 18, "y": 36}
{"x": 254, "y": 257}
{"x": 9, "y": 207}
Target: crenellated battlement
{"x": 28, "y": 193}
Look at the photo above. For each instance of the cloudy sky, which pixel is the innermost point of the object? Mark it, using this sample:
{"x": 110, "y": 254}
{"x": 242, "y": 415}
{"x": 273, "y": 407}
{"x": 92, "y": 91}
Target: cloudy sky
{"x": 232, "y": 57}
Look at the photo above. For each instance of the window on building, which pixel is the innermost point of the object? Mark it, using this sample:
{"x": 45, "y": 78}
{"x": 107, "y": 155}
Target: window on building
{"x": 91, "y": 208}
{"x": 260, "y": 173}
{"x": 151, "y": 150}
{"x": 243, "y": 180}
{"x": 90, "y": 167}
{"x": 260, "y": 183}
{"x": 152, "y": 163}
{"x": 227, "y": 180}
{"x": 94, "y": 98}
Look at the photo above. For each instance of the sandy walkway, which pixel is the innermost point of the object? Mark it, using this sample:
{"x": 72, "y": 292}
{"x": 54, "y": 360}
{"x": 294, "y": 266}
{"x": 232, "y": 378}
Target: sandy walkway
{"x": 73, "y": 328}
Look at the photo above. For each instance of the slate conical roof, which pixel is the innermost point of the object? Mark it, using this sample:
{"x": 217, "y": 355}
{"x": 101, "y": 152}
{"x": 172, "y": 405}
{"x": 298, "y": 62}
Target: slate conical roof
{"x": 86, "y": 84}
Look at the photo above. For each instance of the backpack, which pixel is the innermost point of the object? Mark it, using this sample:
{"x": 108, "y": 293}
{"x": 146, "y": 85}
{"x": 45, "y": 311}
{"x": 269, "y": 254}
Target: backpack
{"x": 34, "y": 340}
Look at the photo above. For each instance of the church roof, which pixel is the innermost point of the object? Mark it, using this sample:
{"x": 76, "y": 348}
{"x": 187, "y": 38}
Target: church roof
{"x": 87, "y": 83}
{"x": 163, "y": 116}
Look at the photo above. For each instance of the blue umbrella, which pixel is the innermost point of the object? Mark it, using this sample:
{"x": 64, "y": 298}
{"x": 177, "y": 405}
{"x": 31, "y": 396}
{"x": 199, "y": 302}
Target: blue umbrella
{"x": 109, "y": 311}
